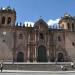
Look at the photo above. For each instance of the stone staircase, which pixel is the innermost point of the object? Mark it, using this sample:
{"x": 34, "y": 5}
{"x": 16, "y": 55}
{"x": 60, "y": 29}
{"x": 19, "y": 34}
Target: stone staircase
{"x": 37, "y": 66}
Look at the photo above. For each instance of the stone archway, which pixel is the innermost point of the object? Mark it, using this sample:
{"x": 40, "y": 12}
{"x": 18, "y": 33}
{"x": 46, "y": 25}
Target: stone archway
{"x": 60, "y": 57}
{"x": 20, "y": 57}
{"x": 42, "y": 54}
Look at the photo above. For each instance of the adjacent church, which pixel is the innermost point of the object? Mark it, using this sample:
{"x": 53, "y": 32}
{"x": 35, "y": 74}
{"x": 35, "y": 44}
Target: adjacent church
{"x": 39, "y": 43}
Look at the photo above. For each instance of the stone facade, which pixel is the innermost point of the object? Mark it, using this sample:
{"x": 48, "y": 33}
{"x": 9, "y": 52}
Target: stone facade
{"x": 38, "y": 43}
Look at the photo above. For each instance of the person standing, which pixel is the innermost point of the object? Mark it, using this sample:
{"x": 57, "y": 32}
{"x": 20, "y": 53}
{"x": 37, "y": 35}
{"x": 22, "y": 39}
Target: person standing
{"x": 72, "y": 64}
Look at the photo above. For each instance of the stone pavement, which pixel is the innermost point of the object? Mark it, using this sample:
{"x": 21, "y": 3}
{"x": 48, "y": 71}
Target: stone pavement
{"x": 19, "y": 72}
{"x": 26, "y": 66}
{"x": 37, "y": 66}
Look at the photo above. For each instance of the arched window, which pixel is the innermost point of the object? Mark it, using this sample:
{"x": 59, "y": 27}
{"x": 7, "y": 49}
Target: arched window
{"x": 9, "y": 20}
{"x": 68, "y": 26}
{"x": 3, "y": 20}
{"x": 72, "y": 27}
{"x": 59, "y": 38}
{"x": 73, "y": 44}
{"x": 41, "y": 36}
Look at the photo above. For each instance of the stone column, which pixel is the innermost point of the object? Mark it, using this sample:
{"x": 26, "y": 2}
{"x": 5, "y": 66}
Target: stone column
{"x": 28, "y": 54}
{"x": 35, "y": 55}
{"x": 48, "y": 55}
{"x": 35, "y": 49}
{"x": 48, "y": 47}
{"x": 28, "y": 48}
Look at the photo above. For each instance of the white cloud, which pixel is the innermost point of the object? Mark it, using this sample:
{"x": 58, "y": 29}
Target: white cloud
{"x": 53, "y": 22}
{"x": 29, "y": 23}
{"x": 3, "y": 8}
{"x": 50, "y": 22}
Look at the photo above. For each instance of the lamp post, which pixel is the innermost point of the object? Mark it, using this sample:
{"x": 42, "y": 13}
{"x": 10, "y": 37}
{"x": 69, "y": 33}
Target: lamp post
{"x": 4, "y": 34}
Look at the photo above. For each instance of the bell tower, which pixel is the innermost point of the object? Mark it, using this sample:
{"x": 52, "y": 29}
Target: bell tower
{"x": 67, "y": 22}
{"x": 7, "y": 17}
{"x": 7, "y": 25}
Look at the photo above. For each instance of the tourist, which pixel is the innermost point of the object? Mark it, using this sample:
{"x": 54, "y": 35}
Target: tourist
{"x": 72, "y": 64}
{"x": 62, "y": 67}
{"x": 1, "y": 66}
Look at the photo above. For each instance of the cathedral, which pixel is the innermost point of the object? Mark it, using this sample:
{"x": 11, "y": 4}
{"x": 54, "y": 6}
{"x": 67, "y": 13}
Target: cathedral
{"x": 40, "y": 43}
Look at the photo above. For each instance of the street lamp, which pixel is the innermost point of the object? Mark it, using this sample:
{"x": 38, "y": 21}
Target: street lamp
{"x": 4, "y": 34}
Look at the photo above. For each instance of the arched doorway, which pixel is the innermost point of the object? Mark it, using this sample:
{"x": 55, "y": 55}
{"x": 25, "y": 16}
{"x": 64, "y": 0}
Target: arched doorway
{"x": 60, "y": 57}
{"x": 20, "y": 57}
{"x": 42, "y": 55}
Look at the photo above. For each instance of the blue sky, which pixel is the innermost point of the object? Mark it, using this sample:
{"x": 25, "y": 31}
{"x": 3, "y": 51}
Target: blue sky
{"x": 31, "y": 10}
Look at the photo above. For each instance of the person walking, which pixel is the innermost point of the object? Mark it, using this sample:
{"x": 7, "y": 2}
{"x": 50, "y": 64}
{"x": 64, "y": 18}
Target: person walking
{"x": 1, "y": 66}
{"x": 62, "y": 67}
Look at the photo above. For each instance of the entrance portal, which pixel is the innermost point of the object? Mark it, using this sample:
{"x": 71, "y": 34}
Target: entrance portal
{"x": 60, "y": 57}
{"x": 42, "y": 55}
{"x": 20, "y": 57}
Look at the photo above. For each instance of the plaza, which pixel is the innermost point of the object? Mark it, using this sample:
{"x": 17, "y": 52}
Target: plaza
{"x": 13, "y": 72}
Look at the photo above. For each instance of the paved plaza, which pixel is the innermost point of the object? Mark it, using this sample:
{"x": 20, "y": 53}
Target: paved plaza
{"x": 36, "y": 69}
{"x": 16, "y": 72}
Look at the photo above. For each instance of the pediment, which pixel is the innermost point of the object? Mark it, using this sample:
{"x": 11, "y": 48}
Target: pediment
{"x": 41, "y": 24}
